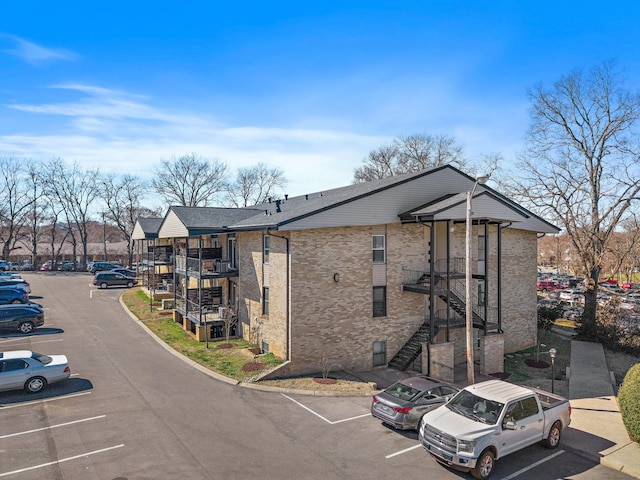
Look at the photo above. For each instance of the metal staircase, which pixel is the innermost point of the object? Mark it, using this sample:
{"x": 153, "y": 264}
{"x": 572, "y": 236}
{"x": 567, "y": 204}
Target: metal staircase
{"x": 410, "y": 351}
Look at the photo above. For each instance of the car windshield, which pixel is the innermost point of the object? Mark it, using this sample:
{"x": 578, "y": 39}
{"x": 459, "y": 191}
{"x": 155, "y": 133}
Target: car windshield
{"x": 402, "y": 391}
{"x": 475, "y": 407}
{"x": 43, "y": 359}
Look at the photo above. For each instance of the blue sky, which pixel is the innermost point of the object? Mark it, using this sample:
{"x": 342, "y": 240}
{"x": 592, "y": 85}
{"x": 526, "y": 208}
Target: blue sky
{"x": 308, "y": 87}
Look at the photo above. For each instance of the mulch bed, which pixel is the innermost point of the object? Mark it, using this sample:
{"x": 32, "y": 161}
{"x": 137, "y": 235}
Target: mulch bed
{"x": 225, "y": 345}
{"x": 253, "y": 366}
{"x": 539, "y": 364}
{"x": 500, "y": 375}
{"x": 325, "y": 381}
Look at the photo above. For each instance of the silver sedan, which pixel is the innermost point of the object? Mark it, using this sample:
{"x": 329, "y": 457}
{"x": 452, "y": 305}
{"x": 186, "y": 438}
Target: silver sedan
{"x": 403, "y": 404}
{"x": 31, "y": 371}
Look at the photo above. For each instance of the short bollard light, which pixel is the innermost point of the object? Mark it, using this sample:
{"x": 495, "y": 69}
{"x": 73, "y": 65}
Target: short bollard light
{"x": 552, "y": 353}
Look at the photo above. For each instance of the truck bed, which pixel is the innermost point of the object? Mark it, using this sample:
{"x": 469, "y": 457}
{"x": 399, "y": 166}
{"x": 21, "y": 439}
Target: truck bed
{"x": 548, "y": 400}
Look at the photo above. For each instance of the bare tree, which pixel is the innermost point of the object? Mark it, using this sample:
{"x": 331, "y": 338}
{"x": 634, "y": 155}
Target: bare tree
{"x": 189, "y": 180}
{"x": 254, "y": 185}
{"x": 581, "y": 165}
{"x": 37, "y": 211}
{"x": 410, "y": 153}
{"x": 76, "y": 191}
{"x": 122, "y": 198}
{"x": 16, "y": 202}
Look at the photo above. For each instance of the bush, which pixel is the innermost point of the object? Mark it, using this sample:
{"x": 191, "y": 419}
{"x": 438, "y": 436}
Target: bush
{"x": 548, "y": 314}
{"x": 628, "y": 398}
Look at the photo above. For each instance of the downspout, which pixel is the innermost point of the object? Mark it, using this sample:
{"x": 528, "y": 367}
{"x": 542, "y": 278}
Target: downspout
{"x": 288, "y": 309}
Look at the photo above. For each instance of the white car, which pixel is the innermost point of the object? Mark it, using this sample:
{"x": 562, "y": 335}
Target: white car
{"x": 31, "y": 371}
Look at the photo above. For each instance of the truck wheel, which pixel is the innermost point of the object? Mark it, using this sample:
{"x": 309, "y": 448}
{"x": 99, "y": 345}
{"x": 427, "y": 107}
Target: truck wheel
{"x": 484, "y": 465}
{"x": 553, "y": 439}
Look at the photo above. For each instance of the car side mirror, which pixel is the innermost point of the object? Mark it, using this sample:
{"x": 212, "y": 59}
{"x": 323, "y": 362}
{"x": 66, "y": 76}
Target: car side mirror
{"x": 510, "y": 425}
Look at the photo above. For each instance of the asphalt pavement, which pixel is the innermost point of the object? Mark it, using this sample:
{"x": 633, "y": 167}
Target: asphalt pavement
{"x": 596, "y": 433}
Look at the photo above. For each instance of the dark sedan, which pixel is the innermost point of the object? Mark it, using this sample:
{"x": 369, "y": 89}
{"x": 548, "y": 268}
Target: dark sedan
{"x": 403, "y": 404}
{"x": 23, "y": 317}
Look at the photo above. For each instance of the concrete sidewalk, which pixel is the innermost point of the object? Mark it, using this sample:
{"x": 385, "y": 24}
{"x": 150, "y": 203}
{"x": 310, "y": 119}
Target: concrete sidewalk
{"x": 596, "y": 430}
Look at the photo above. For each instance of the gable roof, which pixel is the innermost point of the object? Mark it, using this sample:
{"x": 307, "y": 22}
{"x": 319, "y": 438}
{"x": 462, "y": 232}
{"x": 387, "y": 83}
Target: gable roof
{"x": 486, "y": 205}
{"x": 190, "y": 221}
{"x": 423, "y": 194}
{"x": 146, "y": 227}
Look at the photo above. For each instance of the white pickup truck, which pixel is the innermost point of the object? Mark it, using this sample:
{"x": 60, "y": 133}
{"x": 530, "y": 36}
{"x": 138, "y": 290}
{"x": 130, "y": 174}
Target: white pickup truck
{"x": 488, "y": 420}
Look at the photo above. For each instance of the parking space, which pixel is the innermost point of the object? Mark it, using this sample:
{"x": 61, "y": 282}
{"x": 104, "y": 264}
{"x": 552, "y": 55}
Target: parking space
{"x": 394, "y": 448}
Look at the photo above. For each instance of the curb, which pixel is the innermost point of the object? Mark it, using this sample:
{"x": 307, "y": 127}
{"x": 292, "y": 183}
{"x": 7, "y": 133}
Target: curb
{"x": 232, "y": 381}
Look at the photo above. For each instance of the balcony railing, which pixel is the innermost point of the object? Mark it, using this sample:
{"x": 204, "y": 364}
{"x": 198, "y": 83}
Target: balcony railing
{"x": 204, "y": 266}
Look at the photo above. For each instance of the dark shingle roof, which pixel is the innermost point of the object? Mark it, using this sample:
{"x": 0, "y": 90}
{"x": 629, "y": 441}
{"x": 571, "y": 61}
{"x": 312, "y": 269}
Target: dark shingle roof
{"x": 210, "y": 218}
{"x": 149, "y": 225}
{"x": 295, "y": 208}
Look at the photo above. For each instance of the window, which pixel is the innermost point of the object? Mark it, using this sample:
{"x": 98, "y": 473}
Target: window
{"x": 379, "y": 301}
{"x": 481, "y": 293}
{"x": 379, "y": 249}
{"x": 529, "y": 407}
{"x": 379, "y": 353}
{"x": 265, "y": 249}
{"x": 265, "y": 300}
{"x": 13, "y": 364}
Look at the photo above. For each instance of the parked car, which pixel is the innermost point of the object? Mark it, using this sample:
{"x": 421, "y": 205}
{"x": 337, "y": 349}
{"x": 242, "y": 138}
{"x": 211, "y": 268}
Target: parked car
{"x": 16, "y": 283}
{"x": 123, "y": 271}
{"x": 403, "y": 404}
{"x": 4, "y": 266}
{"x": 113, "y": 279}
{"x": 67, "y": 266}
{"x": 101, "y": 266}
{"x": 31, "y": 371}
{"x": 23, "y": 317}
{"x": 13, "y": 295}
{"x": 8, "y": 275}
{"x": 548, "y": 285}
{"x": 46, "y": 266}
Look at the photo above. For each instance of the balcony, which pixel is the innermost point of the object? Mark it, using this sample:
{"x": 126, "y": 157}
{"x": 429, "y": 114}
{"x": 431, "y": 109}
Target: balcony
{"x": 205, "y": 268}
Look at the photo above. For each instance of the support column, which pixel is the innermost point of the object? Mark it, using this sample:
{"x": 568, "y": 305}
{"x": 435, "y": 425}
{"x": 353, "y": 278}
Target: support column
{"x": 491, "y": 353}
{"x": 440, "y": 358}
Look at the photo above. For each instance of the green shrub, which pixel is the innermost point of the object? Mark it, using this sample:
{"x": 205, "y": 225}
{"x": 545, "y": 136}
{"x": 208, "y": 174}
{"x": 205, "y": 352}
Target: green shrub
{"x": 629, "y": 405}
{"x": 548, "y": 314}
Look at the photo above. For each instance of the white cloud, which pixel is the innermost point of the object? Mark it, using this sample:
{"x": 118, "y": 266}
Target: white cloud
{"x": 36, "y": 54}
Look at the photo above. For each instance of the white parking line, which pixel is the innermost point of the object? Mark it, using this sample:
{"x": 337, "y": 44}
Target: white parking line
{"x": 22, "y": 339}
{"x": 61, "y": 460}
{"x": 403, "y": 451}
{"x": 323, "y": 418}
{"x": 533, "y": 465}
{"x": 51, "y": 426}
{"x": 35, "y": 402}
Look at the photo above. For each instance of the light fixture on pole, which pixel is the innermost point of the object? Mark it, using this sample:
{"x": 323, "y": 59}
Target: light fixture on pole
{"x": 552, "y": 353}
{"x": 468, "y": 277}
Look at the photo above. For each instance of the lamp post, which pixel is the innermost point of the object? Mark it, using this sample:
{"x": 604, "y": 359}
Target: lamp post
{"x": 468, "y": 276}
{"x": 552, "y": 353}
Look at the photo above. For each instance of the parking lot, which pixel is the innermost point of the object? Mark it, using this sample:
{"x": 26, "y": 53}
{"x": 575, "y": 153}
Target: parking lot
{"x": 132, "y": 410}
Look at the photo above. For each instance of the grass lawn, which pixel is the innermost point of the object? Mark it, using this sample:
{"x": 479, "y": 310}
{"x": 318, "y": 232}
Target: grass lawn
{"x": 516, "y": 364}
{"x": 235, "y": 362}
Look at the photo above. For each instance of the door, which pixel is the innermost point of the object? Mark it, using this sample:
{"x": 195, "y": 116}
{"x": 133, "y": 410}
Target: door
{"x": 529, "y": 423}
{"x": 13, "y": 373}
